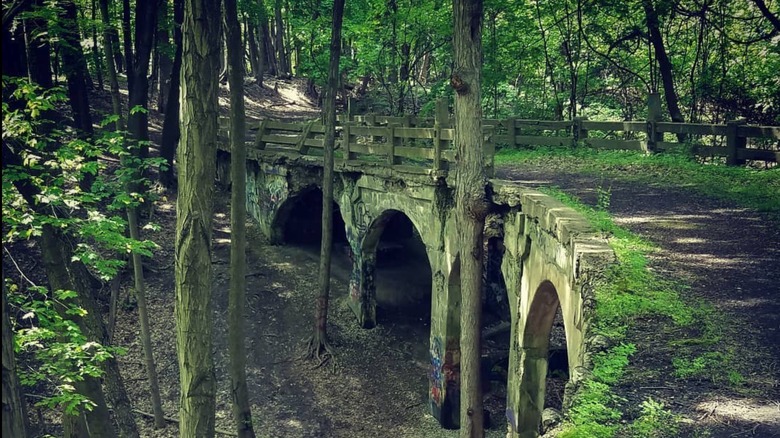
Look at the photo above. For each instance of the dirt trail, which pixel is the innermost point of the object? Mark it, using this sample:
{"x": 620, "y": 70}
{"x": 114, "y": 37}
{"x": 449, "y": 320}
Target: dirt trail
{"x": 728, "y": 256}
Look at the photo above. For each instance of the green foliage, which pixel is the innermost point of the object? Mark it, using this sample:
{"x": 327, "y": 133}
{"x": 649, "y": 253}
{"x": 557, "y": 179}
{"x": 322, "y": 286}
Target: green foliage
{"x": 655, "y": 422}
{"x": 61, "y": 353}
{"x": 53, "y": 164}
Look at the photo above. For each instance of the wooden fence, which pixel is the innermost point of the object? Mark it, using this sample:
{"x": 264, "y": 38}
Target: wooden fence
{"x": 425, "y": 144}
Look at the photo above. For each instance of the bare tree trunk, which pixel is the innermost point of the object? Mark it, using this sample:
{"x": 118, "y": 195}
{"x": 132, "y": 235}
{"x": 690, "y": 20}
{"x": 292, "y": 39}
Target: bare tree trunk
{"x": 39, "y": 55}
{"x": 194, "y": 206}
{"x": 664, "y": 64}
{"x": 165, "y": 64}
{"x": 95, "y": 52}
{"x": 75, "y": 66}
{"x": 237, "y": 299}
{"x": 109, "y": 32}
{"x": 318, "y": 343}
{"x": 14, "y": 415}
{"x": 470, "y": 203}
{"x": 283, "y": 67}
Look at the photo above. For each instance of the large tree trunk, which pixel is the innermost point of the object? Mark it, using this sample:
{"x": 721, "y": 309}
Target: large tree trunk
{"x": 39, "y": 52}
{"x": 318, "y": 343}
{"x": 237, "y": 300}
{"x": 170, "y": 133}
{"x": 470, "y": 203}
{"x": 14, "y": 415}
{"x": 664, "y": 64}
{"x": 197, "y": 167}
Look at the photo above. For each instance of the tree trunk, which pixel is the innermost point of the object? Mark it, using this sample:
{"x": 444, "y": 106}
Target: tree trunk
{"x": 170, "y": 133}
{"x": 137, "y": 79}
{"x": 165, "y": 63}
{"x": 143, "y": 318}
{"x": 269, "y": 48}
{"x": 318, "y": 343}
{"x": 14, "y": 415}
{"x": 95, "y": 51}
{"x": 256, "y": 51}
{"x": 283, "y": 67}
{"x": 62, "y": 275}
{"x": 127, "y": 40}
{"x": 470, "y": 203}
{"x": 237, "y": 300}
{"x": 39, "y": 50}
{"x": 664, "y": 64}
{"x": 197, "y": 167}
{"x": 75, "y": 68}
{"x": 109, "y": 33}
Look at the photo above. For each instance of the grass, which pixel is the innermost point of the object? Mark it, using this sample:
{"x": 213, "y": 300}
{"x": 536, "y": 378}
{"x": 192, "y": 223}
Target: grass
{"x": 746, "y": 187}
{"x": 695, "y": 332}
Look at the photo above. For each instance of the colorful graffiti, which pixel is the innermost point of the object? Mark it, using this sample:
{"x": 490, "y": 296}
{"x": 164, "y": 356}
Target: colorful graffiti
{"x": 445, "y": 370}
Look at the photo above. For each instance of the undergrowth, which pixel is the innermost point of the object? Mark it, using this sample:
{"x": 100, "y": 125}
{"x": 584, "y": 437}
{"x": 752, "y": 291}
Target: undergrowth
{"x": 631, "y": 291}
{"x": 746, "y": 187}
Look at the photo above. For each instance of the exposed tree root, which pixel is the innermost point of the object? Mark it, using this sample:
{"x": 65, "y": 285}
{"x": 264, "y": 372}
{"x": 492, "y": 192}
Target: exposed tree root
{"x": 318, "y": 349}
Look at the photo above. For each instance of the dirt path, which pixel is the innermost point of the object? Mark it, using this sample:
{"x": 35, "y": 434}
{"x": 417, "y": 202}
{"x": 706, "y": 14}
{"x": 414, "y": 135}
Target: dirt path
{"x": 728, "y": 256}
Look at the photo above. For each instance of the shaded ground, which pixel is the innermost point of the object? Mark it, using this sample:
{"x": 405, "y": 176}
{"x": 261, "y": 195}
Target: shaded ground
{"x": 729, "y": 257}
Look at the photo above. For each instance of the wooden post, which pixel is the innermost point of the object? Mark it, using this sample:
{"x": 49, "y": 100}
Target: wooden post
{"x": 440, "y": 115}
{"x": 371, "y": 122}
{"x": 305, "y": 133}
{"x": 653, "y": 117}
{"x": 734, "y": 142}
{"x": 511, "y": 132}
{"x": 391, "y": 144}
{"x": 406, "y": 123}
{"x": 346, "y": 139}
{"x": 349, "y": 109}
{"x": 259, "y": 143}
{"x": 578, "y": 132}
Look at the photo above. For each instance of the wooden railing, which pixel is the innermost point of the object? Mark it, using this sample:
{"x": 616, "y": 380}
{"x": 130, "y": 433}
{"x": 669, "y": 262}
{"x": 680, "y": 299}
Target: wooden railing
{"x": 425, "y": 144}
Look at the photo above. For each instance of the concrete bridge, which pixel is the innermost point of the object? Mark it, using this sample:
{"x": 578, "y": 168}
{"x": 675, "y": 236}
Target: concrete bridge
{"x": 550, "y": 258}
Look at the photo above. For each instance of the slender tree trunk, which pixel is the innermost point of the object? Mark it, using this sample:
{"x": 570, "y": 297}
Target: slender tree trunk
{"x": 95, "y": 51}
{"x": 237, "y": 300}
{"x": 269, "y": 49}
{"x": 664, "y": 64}
{"x": 138, "y": 81}
{"x": 14, "y": 415}
{"x": 170, "y": 134}
{"x": 283, "y": 68}
{"x": 165, "y": 62}
{"x": 143, "y": 315}
{"x": 470, "y": 203}
{"x": 318, "y": 343}
{"x": 109, "y": 33}
{"x": 197, "y": 167}
{"x": 127, "y": 40}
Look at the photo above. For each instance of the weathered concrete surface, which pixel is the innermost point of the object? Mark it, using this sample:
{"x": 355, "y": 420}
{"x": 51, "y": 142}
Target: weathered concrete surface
{"x": 552, "y": 258}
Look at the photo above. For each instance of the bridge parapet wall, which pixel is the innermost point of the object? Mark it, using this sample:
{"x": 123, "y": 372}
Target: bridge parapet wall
{"x": 553, "y": 257}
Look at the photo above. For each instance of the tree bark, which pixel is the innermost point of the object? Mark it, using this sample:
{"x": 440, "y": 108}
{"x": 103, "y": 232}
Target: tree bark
{"x": 470, "y": 203}
{"x": 197, "y": 167}
{"x": 40, "y": 50}
{"x": 237, "y": 299}
{"x": 165, "y": 63}
{"x": 170, "y": 133}
{"x": 14, "y": 415}
{"x": 319, "y": 341}
{"x": 109, "y": 34}
{"x": 75, "y": 68}
{"x": 664, "y": 64}
{"x": 283, "y": 67}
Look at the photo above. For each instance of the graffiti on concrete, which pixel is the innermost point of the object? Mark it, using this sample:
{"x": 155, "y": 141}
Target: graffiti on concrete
{"x": 361, "y": 216}
{"x": 277, "y": 191}
{"x": 437, "y": 380}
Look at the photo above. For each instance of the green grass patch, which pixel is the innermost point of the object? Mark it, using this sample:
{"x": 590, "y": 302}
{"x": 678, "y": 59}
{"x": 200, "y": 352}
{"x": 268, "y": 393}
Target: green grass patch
{"x": 631, "y": 291}
{"x": 746, "y": 187}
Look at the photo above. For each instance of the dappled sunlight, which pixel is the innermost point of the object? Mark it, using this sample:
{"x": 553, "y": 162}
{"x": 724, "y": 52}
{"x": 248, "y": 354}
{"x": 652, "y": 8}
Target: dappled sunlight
{"x": 751, "y": 412}
{"x": 690, "y": 240}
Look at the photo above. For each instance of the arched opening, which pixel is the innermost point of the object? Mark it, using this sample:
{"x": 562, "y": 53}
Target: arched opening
{"x": 402, "y": 271}
{"x": 544, "y": 358}
{"x": 299, "y": 221}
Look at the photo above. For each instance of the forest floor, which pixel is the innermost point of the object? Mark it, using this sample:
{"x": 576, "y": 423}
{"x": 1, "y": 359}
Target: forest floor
{"x": 377, "y": 384}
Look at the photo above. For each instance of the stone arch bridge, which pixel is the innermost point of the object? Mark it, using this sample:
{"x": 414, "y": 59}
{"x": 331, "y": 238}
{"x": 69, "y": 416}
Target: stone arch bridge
{"x": 551, "y": 257}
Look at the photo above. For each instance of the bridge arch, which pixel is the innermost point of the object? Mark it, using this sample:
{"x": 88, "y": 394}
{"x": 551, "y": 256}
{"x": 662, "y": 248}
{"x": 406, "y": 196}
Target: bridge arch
{"x": 298, "y": 215}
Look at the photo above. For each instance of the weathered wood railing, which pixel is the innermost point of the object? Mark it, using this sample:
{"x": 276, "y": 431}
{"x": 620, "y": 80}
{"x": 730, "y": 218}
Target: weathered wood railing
{"x": 425, "y": 144}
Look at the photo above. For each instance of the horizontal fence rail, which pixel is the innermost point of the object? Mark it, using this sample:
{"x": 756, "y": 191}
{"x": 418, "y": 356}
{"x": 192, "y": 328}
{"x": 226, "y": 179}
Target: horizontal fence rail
{"x": 426, "y": 144}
